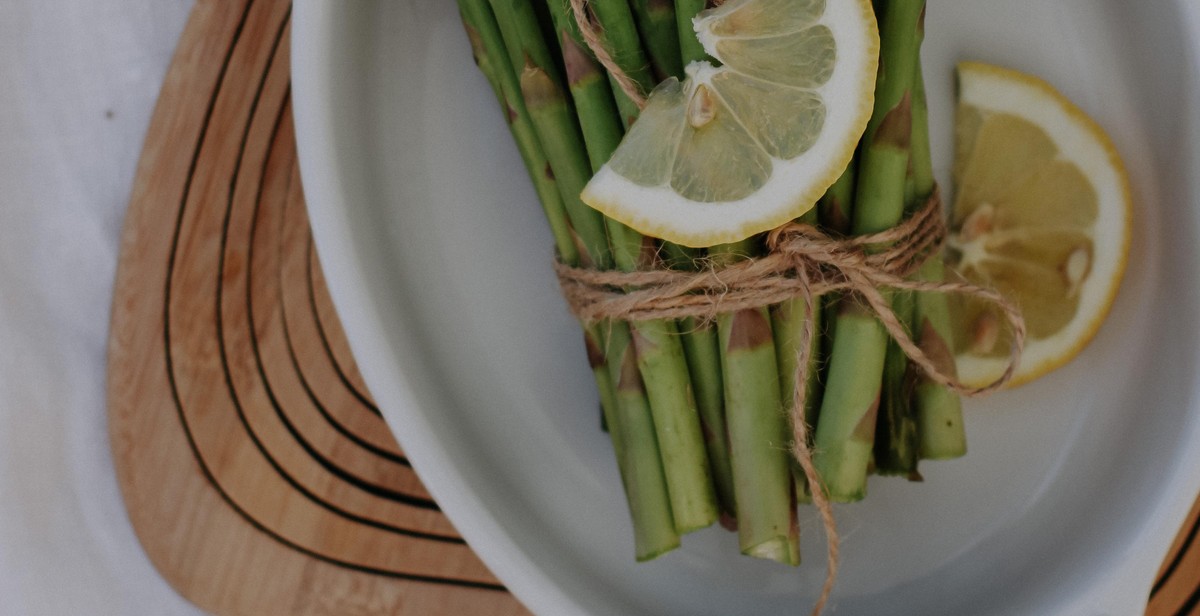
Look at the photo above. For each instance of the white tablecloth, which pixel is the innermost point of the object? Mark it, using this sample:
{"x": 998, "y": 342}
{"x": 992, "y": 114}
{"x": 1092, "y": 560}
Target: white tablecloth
{"x": 78, "y": 82}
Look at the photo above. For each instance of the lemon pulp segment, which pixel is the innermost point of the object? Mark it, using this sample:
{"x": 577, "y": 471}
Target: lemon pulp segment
{"x": 745, "y": 146}
{"x": 1042, "y": 212}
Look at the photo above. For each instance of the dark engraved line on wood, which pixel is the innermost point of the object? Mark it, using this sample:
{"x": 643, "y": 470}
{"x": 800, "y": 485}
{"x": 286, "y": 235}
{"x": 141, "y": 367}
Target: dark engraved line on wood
{"x": 317, "y": 456}
{"x": 310, "y": 256}
{"x": 220, "y": 326}
{"x": 329, "y": 465}
{"x": 304, "y": 382}
{"x": 1169, "y": 570}
{"x": 174, "y": 385}
{"x": 1189, "y": 607}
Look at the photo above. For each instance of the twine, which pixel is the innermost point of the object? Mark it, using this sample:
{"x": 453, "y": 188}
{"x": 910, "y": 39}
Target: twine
{"x": 592, "y": 35}
{"x": 802, "y": 263}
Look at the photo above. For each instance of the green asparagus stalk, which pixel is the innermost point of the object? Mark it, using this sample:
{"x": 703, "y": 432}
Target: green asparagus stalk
{"x": 757, "y": 424}
{"x": 621, "y": 39}
{"x": 629, "y": 420}
{"x": 656, "y": 23}
{"x": 758, "y": 428}
{"x": 639, "y": 455}
{"x": 689, "y": 46}
{"x": 701, "y": 343}
{"x": 480, "y": 26}
{"x": 702, "y": 348}
{"x": 484, "y": 62}
{"x": 846, "y": 430}
{"x": 553, "y": 121}
{"x": 487, "y": 48}
{"x": 605, "y": 387}
{"x": 787, "y": 322}
{"x": 898, "y": 434}
{"x": 660, "y": 357}
{"x": 588, "y": 83}
{"x": 836, "y": 206}
{"x": 657, "y": 343}
{"x": 939, "y": 410}
{"x": 832, "y": 214}
{"x": 897, "y": 438}
{"x": 921, "y": 152}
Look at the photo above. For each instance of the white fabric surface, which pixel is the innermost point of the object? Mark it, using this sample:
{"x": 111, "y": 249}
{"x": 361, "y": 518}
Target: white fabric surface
{"x": 78, "y": 82}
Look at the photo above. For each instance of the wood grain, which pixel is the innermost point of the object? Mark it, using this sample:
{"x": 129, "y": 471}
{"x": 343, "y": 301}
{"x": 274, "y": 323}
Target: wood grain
{"x": 255, "y": 467}
{"x": 257, "y": 471}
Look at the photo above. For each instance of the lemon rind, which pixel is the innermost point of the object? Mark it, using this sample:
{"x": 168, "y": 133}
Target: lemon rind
{"x": 988, "y": 87}
{"x": 774, "y": 206}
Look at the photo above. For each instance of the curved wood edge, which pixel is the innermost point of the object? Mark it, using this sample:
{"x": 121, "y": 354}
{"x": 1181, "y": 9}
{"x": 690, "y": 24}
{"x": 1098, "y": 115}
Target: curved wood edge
{"x": 205, "y": 545}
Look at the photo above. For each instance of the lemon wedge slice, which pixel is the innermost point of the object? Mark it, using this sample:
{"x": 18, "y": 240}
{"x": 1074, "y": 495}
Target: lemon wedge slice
{"x": 750, "y": 144}
{"x": 1042, "y": 212}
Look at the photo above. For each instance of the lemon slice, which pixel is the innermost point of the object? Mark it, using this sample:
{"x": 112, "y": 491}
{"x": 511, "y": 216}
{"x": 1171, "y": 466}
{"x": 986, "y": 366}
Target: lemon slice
{"x": 1042, "y": 213}
{"x": 749, "y": 145}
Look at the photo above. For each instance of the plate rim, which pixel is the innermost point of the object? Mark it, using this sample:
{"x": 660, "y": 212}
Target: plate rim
{"x": 312, "y": 35}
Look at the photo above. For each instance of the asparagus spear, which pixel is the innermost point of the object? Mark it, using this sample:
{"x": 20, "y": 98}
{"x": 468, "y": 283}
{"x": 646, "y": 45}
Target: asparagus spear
{"x": 602, "y": 128}
{"x": 656, "y": 23}
{"x": 846, "y": 430}
{"x": 835, "y": 207}
{"x": 701, "y": 347}
{"x": 897, "y": 434}
{"x": 758, "y": 428}
{"x": 897, "y": 437}
{"x": 485, "y": 39}
{"x": 657, "y": 344}
{"x": 833, "y": 214}
{"x": 754, "y": 413}
{"x": 553, "y": 121}
{"x": 939, "y": 410}
{"x": 788, "y": 321}
{"x": 639, "y": 457}
{"x": 510, "y": 28}
{"x": 621, "y": 39}
{"x": 504, "y": 84}
{"x": 921, "y": 153}
{"x": 689, "y": 46}
{"x": 487, "y": 47}
{"x": 934, "y": 411}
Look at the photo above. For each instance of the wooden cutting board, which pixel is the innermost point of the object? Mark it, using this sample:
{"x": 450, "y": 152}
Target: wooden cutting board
{"x": 258, "y": 474}
{"x": 256, "y": 470}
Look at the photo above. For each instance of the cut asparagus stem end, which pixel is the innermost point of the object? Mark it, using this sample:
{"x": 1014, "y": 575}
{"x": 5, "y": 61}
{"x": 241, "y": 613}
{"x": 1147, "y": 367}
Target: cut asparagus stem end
{"x": 780, "y": 549}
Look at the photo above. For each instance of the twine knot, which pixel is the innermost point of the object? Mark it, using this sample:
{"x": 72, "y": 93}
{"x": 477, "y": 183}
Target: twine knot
{"x": 802, "y": 262}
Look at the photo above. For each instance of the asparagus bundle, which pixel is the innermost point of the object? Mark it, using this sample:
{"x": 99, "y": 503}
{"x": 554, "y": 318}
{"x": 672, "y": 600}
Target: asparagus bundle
{"x": 696, "y": 410}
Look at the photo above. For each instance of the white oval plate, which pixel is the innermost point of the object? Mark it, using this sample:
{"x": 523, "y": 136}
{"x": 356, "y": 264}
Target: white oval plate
{"x": 439, "y": 261}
